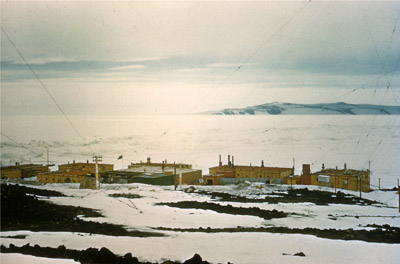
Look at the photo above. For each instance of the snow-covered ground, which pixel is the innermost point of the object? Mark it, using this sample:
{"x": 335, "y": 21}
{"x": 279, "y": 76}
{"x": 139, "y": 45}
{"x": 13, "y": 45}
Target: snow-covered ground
{"x": 143, "y": 214}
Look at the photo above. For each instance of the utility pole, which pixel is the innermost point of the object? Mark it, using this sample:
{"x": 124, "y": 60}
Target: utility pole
{"x": 180, "y": 175}
{"x": 96, "y": 159}
{"x": 379, "y": 183}
{"x": 47, "y": 147}
{"x": 359, "y": 177}
{"x": 293, "y": 166}
{"x": 335, "y": 181}
{"x": 175, "y": 178}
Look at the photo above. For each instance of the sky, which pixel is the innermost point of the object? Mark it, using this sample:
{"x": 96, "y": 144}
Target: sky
{"x": 164, "y": 57}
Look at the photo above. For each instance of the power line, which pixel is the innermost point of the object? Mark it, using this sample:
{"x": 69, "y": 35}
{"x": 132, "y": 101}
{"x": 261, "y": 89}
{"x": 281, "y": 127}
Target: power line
{"x": 241, "y": 65}
{"x": 269, "y": 39}
{"x": 20, "y": 145}
{"x": 42, "y": 85}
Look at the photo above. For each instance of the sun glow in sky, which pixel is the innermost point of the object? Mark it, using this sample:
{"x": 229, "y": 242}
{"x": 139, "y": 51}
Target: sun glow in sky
{"x": 179, "y": 57}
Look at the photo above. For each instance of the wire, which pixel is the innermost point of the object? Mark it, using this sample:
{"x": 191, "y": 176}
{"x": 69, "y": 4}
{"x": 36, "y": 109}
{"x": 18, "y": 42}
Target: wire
{"x": 20, "y": 145}
{"x": 42, "y": 85}
{"x": 241, "y": 66}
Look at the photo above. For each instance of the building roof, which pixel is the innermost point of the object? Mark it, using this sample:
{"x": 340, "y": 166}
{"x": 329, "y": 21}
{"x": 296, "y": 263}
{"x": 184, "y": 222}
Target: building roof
{"x": 66, "y": 173}
{"x": 23, "y": 166}
{"x": 153, "y": 175}
{"x": 83, "y": 164}
{"x": 156, "y": 169}
{"x": 242, "y": 167}
{"x": 348, "y": 172}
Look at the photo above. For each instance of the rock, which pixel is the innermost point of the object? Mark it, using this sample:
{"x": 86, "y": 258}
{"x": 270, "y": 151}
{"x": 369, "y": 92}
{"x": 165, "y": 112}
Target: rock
{"x": 168, "y": 262}
{"x": 196, "y": 259}
{"x": 300, "y": 254}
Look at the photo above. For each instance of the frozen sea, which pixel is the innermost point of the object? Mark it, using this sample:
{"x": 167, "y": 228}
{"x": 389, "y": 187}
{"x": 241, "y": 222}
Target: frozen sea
{"x": 360, "y": 141}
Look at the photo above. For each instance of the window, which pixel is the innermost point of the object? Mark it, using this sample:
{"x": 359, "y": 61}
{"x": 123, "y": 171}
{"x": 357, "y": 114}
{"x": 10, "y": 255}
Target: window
{"x": 323, "y": 178}
{"x": 345, "y": 182}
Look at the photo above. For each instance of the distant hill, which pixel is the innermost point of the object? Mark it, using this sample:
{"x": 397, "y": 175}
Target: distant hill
{"x": 339, "y": 108}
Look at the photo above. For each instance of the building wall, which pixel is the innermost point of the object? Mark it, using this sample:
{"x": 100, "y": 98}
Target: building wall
{"x": 88, "y": 167}
{"x": 189, "y": 175}
{"x": 348, "y": 180}
{"x": 164, "y": 164}
{"x": 88, "y": 183}
{"x": 11, "y": 173}
{"x": 60, "y": 177}
{"x": 192, "y": 177}
{"x": 22, "y": 171}
{"x": 212, "y": 179}
{"x": 306, "y": 175}
{"x": 33, "y": 171}
{"x": 292, "y": 180}
{"x": 253, "y": 172}
{"x": 262, "y": 173}
{"x": 158, "y": 180}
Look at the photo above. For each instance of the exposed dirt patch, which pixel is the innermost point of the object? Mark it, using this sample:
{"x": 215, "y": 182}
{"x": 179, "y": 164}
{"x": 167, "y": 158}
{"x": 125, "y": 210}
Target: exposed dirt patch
{"x": 381, "y": 234}
{"x": 228, "y": 209}
{"x": 22, "y": 211}
{"x": 15, "y": 237}
{"x": 87, "y": 256}
{"x": 298, "y": 254}
{"x": 294, "y": 196}
{"x": 38, "y": 192}
{"x": 125, "y": 195}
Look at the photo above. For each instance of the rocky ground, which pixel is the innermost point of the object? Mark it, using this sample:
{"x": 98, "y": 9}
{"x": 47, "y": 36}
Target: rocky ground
{"x": 380, "y": 234}
{"x": 24, "y": 208}
{"x": 88, "y": 256}
{"x": 294, "y": 196}
{"x": 228, "y": 209}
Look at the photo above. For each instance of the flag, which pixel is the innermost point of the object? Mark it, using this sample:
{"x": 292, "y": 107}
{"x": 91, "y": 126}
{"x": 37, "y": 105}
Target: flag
{"x": 120, "y": 157}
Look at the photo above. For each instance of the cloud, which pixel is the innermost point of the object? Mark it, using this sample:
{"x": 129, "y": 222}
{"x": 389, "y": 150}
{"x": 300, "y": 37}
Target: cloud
{"x": 127, "y": 68}
{"x": 182, "y": 47}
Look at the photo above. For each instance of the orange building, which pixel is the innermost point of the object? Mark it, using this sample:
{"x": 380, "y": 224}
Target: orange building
{"x": 22, "y": 171}
{"x": 348, "y": 179}
{"x": 215, "y": 178}
{"x": 86, "y": 167}
{"x": 184, "y": 174}
{"x": 164, "y": 164}
{"x": 267, "y": 174}
{"x": 74, "y": 173}
{"x": 63, "y": 177}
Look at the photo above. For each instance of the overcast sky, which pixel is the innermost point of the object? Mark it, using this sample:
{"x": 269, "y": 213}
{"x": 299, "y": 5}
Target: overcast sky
{"x": 178, "y": 57}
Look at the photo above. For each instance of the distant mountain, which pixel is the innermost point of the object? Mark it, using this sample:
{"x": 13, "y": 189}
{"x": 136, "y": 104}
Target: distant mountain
{"x": 339, "y": 108}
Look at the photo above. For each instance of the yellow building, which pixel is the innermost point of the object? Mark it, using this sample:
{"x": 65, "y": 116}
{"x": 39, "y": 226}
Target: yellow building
{"x": 87, "y": 167}
{"x": 22, "y": 171}
{"x": 10, "y": 172}
{"x": 184, "y": 174}
{"x": 348, "y": 179}
{"x": 164, "y": 164}
{"x": 62, "y": 177}
{"x": 253, "y": 171}
{"x": 250, "y": 172}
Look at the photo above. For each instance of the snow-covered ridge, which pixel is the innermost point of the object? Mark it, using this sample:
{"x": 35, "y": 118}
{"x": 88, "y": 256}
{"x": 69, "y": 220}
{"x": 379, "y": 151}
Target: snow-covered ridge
{"x": 339, "y": 108}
